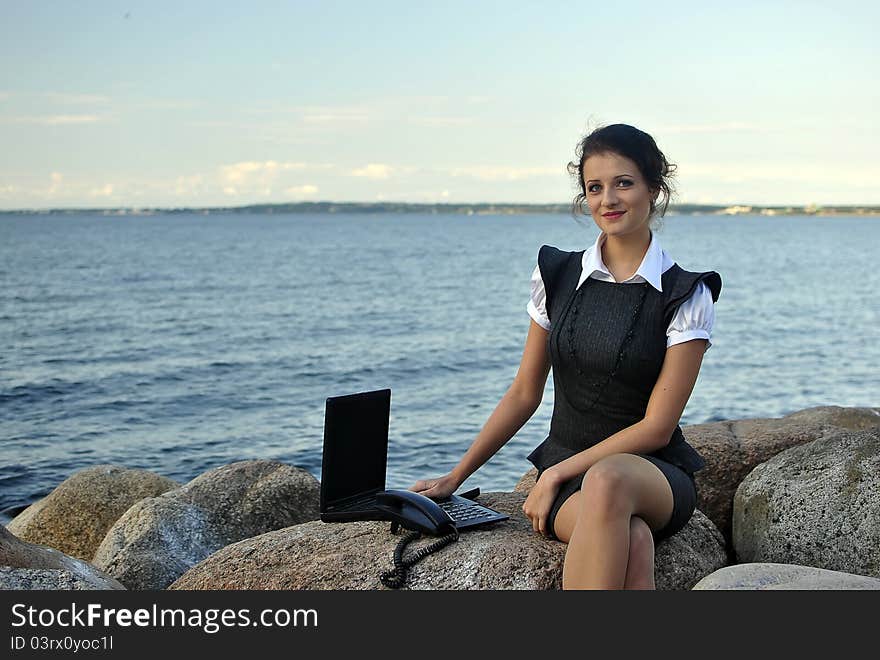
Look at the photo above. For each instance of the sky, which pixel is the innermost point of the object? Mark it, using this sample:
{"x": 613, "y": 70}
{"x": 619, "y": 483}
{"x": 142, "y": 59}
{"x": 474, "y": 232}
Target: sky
{"x": 182, "y": 104}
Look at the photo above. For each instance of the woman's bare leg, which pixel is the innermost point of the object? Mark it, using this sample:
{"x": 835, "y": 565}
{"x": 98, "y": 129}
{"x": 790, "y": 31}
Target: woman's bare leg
{"x": 640, "y": 566}
{"x": 640, "y": 562}
{"x": 597, "y": 522}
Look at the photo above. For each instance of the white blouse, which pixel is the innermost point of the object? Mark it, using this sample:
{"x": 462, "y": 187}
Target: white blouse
{"x": 694, "y": 318}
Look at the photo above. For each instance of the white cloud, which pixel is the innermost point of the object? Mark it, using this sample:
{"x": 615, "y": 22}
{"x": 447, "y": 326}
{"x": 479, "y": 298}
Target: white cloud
{"x": 264, "y": 177}
{"x": 104, "y": 191}
{"x": 188, "y": 185}
{"x": 301, "y": 191}
{"x": 374, "y": 171}
{"x": 261, "y": 172}
{"x": 722, "y": 127}
{"x": 824, "y": 174}
{"x": 489, "y": 173}
{"x": 780, "y": 182}
{"x": 56, "y": 178}
{"x": 57, "y": 120}
{"x": 220, "y": 123}
{"x": 166, "y": 104}
{"x": 440, "y": 122}
{"x": 64, "y": 97}
{"x": 334, "y": 114}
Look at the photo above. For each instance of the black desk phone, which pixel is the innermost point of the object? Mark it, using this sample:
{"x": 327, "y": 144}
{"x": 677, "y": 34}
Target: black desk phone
{"x": 405, "y": 508}
{"x": 415, "y": 511}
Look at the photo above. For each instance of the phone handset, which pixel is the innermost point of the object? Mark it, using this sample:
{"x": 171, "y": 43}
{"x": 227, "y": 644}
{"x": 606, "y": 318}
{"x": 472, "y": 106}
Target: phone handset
{"x": 415, "y": 511}
{"x": 405, "y": 508}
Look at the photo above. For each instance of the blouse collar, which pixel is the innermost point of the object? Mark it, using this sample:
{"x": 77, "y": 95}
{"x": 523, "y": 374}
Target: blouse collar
{"x": 654, "y": 264}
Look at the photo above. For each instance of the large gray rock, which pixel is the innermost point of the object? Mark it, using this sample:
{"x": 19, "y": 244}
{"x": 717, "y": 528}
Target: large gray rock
{"x": 75, "y": 517}
{"x": 733, "y": 448}
{"x": 790, "y": 577}
{"x": 814, "y": 505}
{"x": 508, "y": 555}
{"x": 45, "y": 579}
{"x": 159, "y": 538}
{"x": 17, "y": 557}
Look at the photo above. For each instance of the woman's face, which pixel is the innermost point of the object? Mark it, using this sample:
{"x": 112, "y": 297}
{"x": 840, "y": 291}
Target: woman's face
{"x": 614, "y": 184}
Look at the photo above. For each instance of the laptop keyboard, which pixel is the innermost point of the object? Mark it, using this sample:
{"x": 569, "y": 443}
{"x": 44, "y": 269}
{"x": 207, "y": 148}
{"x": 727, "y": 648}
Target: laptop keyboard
{"x": 460, "y": 512}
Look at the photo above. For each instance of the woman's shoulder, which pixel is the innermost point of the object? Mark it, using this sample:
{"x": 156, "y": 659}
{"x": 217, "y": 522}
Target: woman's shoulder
{"x": 552, "y": 261}
{"x": 559, "y": 269}
{"x": 680, "y": 284}
{"x": 553, "y": 252}
{"x": 551, "y": 258}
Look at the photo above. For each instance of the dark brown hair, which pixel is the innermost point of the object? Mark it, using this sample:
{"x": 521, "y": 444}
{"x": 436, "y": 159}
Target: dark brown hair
{"x": 629, "y": 142}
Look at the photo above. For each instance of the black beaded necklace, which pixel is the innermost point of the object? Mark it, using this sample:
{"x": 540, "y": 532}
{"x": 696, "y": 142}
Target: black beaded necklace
{"x": 621, "y": 352}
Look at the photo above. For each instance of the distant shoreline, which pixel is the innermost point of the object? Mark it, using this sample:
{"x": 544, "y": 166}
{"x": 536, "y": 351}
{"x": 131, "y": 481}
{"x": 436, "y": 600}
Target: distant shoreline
{"x": 457, "y": 209}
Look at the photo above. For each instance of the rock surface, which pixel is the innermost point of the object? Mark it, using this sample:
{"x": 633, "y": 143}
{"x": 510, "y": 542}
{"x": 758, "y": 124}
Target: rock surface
{"x": 816, "y": 505}
{"x": 526, "y": 482}
{"x": 159, "y": 538}
{"x": 45, "y": 579}
{"x": 75, "y": 517}
{"x": 508, "y": 555}
{"x": 760, "y": 576}
{"x": 733, "y": 448}
{"x": 17, "y": 554}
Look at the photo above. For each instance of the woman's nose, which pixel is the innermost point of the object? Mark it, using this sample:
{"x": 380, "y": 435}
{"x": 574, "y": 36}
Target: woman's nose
{"x": 609, "y": 197}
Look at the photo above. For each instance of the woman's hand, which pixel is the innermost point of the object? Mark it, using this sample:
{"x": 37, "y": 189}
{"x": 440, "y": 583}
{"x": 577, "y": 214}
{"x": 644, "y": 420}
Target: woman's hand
{"x": 540, "y": 500}
{"x": 438, "y": 488}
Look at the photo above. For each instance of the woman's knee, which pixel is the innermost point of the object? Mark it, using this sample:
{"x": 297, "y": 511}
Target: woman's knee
{"x": 604, "y": 486}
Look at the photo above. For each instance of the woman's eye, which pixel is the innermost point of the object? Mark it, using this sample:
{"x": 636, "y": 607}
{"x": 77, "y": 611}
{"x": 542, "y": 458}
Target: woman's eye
{"x": 591, "y": 188}
{"x": 626, "y": 181}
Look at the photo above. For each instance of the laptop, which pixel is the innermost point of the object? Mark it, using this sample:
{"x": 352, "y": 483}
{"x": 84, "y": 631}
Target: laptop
{"x": 354, "y": 461}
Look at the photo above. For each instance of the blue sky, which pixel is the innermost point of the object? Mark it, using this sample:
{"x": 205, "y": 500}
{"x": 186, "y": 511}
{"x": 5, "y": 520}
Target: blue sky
{"x": 107, "y": 104}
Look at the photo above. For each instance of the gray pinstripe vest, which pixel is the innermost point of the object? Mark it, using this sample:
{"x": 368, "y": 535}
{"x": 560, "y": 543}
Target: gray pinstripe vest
{"x": 607, "y": 343}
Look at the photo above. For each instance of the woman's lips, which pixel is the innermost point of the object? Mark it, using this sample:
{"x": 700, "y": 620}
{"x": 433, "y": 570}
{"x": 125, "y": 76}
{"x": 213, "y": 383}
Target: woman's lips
{"x": 613, "y": 215}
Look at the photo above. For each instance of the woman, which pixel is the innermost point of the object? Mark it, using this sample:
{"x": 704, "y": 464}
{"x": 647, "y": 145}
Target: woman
{"x": 624, "y": 329}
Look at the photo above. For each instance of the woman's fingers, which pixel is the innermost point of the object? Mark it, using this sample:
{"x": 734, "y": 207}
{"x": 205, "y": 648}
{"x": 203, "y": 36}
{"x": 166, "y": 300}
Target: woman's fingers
{"x": 533, "y": 518}
{"x": 538, "y": 520}
{"x": 423, "y": 484}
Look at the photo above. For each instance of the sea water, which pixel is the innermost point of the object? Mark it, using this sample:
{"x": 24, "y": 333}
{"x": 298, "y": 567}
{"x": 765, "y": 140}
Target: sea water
{"x": 179, "y": 343}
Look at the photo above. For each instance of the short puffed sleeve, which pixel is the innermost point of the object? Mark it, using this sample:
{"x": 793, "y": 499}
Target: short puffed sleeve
{"x": 537, "y": 307}
{"x": 694, "y": 318}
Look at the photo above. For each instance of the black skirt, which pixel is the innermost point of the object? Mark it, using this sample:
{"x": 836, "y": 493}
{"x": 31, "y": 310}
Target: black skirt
{"x": 684, "y": 498}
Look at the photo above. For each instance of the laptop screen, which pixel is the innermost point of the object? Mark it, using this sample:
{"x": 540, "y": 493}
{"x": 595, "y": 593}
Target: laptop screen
{"x": 355, "y": 445}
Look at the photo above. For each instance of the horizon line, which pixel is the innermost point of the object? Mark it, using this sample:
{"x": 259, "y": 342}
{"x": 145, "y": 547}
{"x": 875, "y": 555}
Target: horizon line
{"x": 742, "y": 207}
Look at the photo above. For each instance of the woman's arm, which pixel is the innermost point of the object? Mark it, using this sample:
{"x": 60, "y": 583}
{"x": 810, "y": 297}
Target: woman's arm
{"x": 671, "y": 392}
{"x": 517, "y": 405}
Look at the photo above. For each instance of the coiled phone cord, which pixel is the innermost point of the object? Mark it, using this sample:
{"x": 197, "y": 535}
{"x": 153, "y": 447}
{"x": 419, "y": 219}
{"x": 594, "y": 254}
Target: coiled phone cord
{"x": 396, "y": 577}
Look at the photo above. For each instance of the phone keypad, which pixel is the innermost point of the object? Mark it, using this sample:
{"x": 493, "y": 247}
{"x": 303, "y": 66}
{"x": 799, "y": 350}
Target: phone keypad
{"x": 461, "y": 512}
